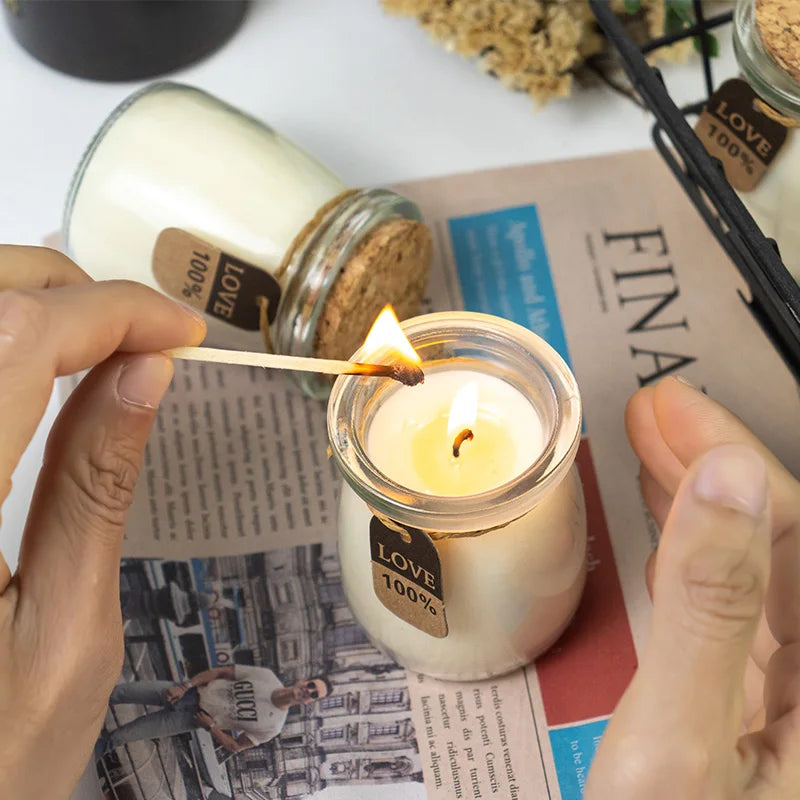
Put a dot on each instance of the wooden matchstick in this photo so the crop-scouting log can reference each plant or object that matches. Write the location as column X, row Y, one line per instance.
column 409, row 374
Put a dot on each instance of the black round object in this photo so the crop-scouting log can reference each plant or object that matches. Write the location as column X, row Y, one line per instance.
column 122, row 40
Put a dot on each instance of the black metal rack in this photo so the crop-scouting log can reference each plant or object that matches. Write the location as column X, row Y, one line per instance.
column 775, row 296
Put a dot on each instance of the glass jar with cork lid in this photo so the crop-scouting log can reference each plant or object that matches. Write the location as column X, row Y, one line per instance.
column 750, row 123
column 181, row 191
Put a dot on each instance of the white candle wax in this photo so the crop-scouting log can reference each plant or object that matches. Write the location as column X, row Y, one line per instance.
column 508, row 593
column 409, row 441
column 178, row 158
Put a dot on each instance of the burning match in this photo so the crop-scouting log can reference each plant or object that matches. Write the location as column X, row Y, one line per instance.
column 402, row 364
column 408, row 374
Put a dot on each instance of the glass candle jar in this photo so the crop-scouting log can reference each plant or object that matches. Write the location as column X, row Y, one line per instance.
column 462, row 567
column 774, row 203
column 182, row 192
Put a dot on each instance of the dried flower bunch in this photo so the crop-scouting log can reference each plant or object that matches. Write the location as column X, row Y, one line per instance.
column 532, row 46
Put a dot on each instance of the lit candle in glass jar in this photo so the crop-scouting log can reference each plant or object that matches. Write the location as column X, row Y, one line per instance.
column 462, row 566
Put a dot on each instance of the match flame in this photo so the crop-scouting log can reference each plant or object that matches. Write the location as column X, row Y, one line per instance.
column 387, row 340
column 463, row 410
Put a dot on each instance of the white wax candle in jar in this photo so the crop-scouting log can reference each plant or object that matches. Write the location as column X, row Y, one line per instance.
column 505, row 517
column 180, row 191
column 411, row 436
column 774, row 202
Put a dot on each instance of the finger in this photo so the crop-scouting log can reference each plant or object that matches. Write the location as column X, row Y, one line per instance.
column 753, row 695
column 765, row 644
column 687, row 423
column 672, row 424
column 650, row 572
column 783, row 598
column 5, row 574
column 648, row 442
column 37, row 268
column 675, row 728
column 758, row 721
column 64, row 330
column 777, row 745
column 656, row 498
column 69, row 557
column 710, row 581
column 782, row 686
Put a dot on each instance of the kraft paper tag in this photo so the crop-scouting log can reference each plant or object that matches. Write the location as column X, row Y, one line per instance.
column 203, row 276
column 744, row 139
column 407, row 576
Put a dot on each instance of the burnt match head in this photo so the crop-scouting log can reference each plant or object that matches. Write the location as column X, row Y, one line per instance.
column 408, row 374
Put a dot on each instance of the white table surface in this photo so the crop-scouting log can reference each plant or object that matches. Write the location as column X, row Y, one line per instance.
column 369, row 95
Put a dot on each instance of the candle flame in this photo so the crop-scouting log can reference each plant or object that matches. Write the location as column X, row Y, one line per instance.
column 463, row 410
column 387, row 342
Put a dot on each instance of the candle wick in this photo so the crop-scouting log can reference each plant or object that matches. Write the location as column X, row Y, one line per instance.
column 465, row 435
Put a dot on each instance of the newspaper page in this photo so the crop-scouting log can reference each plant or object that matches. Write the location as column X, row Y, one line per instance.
column 231, row 572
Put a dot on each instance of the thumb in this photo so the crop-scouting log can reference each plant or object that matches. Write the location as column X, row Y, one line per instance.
column 71, row 547
column 674, row 731
column 708, row 592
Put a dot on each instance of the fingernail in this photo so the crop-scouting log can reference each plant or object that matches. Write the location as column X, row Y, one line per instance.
column 194, row 314
column 144, row 379
column 197, row 318
column 735, row 477
column 685, row 381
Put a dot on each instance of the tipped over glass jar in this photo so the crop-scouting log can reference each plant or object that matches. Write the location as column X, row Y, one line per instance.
column 187, row 194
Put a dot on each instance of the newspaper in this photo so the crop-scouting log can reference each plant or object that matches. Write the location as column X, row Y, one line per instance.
column 230, row 554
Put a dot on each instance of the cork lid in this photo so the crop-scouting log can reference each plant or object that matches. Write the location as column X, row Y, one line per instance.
column 391, row 265
column 779, row 25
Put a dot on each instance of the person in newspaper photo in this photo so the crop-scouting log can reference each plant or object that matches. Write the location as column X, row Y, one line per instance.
column 248, row 700
column 712, row 712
